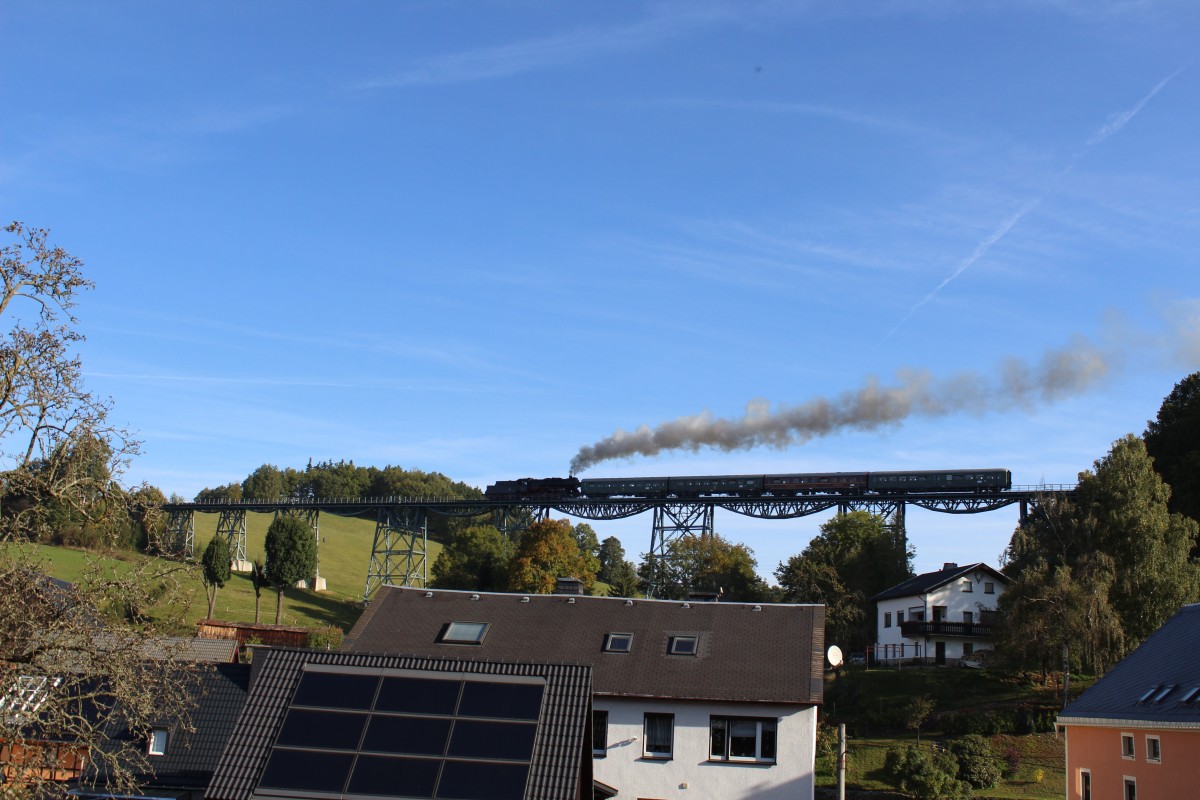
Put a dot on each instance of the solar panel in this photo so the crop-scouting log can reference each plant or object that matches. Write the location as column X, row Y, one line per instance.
column 420, row 736
column 417, row 695
column 323, row 729
column 474, row 780
column 306, row 770
column 377, row 732
column 335, row 690
column 507, row 740
column 403, row 777
column 501, row 700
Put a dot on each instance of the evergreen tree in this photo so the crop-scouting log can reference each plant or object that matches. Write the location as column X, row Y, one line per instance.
column 1173, row 441
column 214, row 565
column 291, row 555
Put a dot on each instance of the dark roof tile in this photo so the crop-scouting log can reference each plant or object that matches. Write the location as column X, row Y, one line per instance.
column 747, row 652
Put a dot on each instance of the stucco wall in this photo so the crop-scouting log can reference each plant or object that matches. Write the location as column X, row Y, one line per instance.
column 956, row 602
column 689, row 774
column 1098, row 750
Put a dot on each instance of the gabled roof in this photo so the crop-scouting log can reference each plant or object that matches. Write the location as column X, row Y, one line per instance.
column 928, row 581
column 746, row 652
column 192, row 648
column 1153, row 685
column 219, row 692
column 555, row 768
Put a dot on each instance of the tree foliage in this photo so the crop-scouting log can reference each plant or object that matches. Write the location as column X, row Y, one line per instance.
column 853, row 557
column 1173, row 441
column 1096, row 575
column 291, row 551
column 706, row 564
column 475, row 558
column 548, row 550
column 214, row 566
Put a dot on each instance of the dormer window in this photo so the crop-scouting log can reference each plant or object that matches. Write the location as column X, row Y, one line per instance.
column 158, row 742
column 683, row 645
column 463, row 633
column 618, row 642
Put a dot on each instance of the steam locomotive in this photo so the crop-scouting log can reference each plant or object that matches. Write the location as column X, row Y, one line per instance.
column 978, row 481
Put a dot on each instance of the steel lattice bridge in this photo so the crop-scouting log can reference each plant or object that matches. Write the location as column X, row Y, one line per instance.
column 401, row 523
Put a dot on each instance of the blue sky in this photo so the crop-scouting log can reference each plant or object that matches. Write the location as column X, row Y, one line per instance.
column 478, row 237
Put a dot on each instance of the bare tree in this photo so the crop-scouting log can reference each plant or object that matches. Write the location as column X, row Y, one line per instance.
column 58, row 449
column 74, row 658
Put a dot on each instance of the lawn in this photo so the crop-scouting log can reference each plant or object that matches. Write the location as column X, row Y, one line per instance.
column 872, row 703
column 344, row 556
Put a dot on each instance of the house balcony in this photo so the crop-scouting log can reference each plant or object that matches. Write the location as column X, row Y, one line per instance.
column 964, row 630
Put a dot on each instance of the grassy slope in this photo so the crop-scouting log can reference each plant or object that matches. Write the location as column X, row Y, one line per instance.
column 861, row 692
column 344, row 556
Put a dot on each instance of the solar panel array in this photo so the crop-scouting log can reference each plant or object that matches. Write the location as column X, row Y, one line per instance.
column 370, row 733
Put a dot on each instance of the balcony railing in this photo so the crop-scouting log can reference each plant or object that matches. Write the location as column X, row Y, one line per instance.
column 911, row 629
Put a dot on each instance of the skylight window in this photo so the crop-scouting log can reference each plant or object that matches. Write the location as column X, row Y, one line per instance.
column 683, row 645
column 1148, row 693
column 464, row 633
column 618, row 642
column 1166, row 690
column 1191, row 695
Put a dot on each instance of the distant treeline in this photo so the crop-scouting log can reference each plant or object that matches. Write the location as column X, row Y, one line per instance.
column 329, row 479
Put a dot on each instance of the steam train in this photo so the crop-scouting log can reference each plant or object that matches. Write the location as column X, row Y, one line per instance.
column 977, row 481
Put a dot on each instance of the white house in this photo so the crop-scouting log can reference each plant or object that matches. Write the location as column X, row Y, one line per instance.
column 690, row 699
column 938, row 617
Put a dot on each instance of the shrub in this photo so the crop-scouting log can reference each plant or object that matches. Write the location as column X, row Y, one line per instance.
column 976, row 762
column 925, row 774
column 327, row 638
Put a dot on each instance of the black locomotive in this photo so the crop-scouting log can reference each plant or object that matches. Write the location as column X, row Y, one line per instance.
column 813, row 483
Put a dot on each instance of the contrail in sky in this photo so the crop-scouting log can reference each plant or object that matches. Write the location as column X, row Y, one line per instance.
column 1114, row 125
column 1058, row 374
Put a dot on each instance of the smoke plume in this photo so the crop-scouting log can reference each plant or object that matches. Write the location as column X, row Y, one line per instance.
column 914, row 393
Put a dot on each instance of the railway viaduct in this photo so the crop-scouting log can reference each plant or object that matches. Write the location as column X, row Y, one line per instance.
column 401, row 523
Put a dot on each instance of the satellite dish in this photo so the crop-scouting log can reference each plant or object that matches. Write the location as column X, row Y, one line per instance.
column 834, row 654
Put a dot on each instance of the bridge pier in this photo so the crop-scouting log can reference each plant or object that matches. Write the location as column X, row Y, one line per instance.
column 180, row 539
column 231, row 523
column 672, row 521
column 398, row 552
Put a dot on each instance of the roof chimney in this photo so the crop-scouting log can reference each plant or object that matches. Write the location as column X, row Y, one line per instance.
column 949, row 565
column 572, row 586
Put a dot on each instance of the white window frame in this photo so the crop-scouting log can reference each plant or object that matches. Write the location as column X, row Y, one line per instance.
column 1128, row 748
column 660, row 754
column 726, row 723
column 1129, row 782
column 159, row 739
column 1085, row 774
column 1153, row 753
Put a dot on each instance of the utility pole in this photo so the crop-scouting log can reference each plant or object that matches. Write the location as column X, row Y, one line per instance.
column 841, row 762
